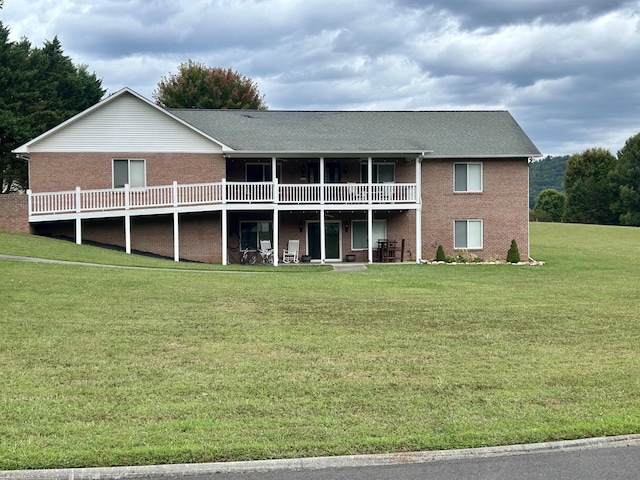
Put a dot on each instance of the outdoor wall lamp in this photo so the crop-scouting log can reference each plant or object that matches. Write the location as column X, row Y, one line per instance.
column 346, row 227
column 301, row 226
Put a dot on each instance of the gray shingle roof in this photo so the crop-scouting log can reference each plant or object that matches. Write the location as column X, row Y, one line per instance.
column 444, row 133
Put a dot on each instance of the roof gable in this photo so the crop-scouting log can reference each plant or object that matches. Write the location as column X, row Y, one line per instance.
column 123, row 122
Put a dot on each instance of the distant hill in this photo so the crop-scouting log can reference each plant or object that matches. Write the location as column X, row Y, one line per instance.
column 546, row 173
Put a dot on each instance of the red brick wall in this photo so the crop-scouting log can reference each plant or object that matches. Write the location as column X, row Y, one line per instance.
column 200, row 234
column 14, row 214
column 51, row 172
column 502, row 206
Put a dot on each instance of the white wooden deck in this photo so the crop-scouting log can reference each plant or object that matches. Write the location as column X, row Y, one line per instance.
column 49, row 206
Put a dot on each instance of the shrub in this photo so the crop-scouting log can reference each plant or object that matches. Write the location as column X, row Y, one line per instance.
column 513, row 255
column 440, row 256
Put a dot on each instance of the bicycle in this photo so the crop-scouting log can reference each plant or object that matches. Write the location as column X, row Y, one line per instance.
column 248, row 257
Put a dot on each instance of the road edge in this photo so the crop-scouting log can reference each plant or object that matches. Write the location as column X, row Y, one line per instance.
column 316, row 463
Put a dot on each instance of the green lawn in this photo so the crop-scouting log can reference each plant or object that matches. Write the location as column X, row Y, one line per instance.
column 103, row 366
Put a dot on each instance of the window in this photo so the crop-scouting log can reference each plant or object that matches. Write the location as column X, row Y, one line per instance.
column 127, row 171
column 468, row 234
column 252, row 232
column 359, row 233
column 381, row 172
column 261, row 172
column 331, row 172
column 467, row 177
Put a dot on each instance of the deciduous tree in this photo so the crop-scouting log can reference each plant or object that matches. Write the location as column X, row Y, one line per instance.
column 551, row 202
column 198, row 86
column 588, row 191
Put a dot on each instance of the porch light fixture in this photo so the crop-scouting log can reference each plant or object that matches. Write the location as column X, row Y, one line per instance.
column 301, row 227
column 346, row 227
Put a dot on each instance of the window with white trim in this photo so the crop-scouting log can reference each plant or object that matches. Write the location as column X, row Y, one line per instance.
column 129, row 171
column 468, row 234
column 359, row 239
column 467, row 177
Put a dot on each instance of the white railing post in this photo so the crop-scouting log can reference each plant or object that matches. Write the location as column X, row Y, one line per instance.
column 175, row 193
column 78, row 200
column 30, row 201
column 276, row 196
column 127, row 200
column 224, row 190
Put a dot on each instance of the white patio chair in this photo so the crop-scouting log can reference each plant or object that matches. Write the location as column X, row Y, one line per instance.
column 265, row 251
column 355, row 193
column 290, row 254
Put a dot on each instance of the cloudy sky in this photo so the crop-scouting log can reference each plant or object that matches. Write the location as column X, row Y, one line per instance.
column 568, row 70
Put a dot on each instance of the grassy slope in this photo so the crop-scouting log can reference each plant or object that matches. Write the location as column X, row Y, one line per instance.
column 116, row 366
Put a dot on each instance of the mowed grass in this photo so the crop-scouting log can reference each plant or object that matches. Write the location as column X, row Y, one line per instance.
column 109, row 366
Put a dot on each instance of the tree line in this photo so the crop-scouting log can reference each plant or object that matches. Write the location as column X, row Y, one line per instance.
column 41, row 88
column 599, row 188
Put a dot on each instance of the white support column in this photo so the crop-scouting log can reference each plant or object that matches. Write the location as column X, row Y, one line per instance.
column 370, row 234
column 274, row 179
column 225, row 233
column 323, row 246
column 127, row 219
column 419, row 234
column 369, row 178
column 176, row 237
column 78, row 221
column 127, row 232
column 370, row 210
column 321, row 174
column 78, row 231
column 276, row 234
column 419, row 209
column 176, row 226
column 276, row 216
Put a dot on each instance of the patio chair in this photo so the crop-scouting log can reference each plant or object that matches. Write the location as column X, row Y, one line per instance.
column 290, row 254
column 265, row 251
column 355, row 192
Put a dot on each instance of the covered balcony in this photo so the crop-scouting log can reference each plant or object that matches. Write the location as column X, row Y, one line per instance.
column 47, row 206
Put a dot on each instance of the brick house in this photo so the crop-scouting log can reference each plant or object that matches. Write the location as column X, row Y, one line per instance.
column 202, row 184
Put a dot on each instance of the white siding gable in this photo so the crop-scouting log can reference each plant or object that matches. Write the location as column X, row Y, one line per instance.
column 126, row 124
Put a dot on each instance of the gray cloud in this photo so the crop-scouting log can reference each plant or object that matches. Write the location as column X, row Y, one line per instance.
column 566, row 69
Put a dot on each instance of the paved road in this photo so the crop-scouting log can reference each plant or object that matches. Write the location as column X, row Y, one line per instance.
column 611, row 458
column 612, row 463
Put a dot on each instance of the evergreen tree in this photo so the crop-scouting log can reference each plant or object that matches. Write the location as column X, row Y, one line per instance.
column 39, row 88
column 513, row 255
column 626, row 180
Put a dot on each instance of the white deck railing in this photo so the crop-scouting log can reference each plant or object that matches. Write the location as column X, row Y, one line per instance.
column 176, row 195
